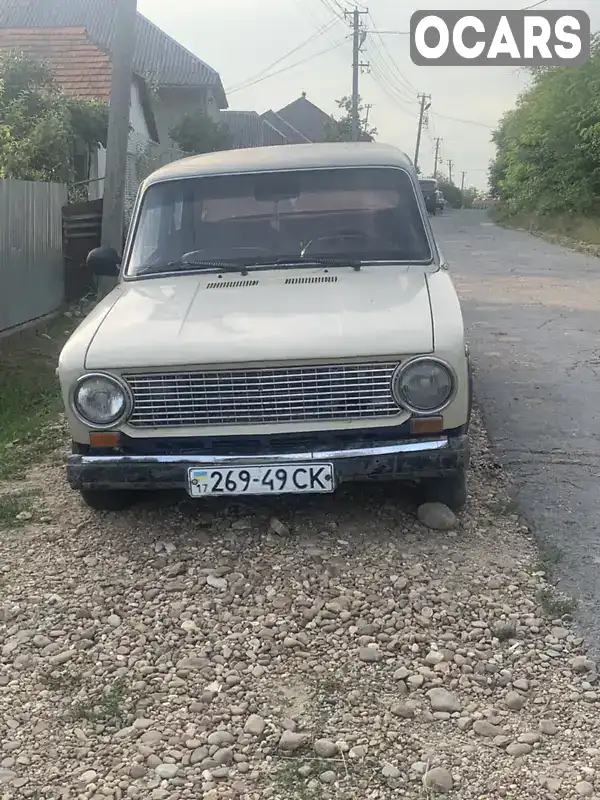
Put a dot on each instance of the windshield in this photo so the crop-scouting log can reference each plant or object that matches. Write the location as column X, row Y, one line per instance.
column 428, row 186
column 258, row 218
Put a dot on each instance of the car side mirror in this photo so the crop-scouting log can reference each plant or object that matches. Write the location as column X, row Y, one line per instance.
column 104, row 262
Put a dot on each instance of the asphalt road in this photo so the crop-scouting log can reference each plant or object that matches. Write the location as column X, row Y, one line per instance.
column 532, row 313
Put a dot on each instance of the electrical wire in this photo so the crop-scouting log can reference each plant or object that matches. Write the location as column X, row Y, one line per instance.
column 465, row 121
column 534, row 5
column 285, row 69
column 391, row 90
column 331, row 6
column 402, row 105
column 395, row 68
column 338, row 4
column 308, row 41
column 399, row 90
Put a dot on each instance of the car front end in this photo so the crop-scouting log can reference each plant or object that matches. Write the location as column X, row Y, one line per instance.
column 291, row 378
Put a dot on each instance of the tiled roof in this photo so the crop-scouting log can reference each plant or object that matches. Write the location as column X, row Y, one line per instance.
column 307, row 118
column 248, row 129
column 291, row 134
column 156, row 53
column 80, row 68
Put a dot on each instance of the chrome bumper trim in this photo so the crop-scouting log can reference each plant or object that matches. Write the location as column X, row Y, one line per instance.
column 275, row 458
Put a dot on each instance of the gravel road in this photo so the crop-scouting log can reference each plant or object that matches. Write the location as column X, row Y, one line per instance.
column 531, row 310
column 184, row 651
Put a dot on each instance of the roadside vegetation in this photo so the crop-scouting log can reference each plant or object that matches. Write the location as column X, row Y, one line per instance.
column 45, row 135
column 30, row 404
column 546, row 173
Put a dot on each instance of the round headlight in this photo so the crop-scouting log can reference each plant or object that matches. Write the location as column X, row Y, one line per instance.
column 423, row 385
column 100, row 400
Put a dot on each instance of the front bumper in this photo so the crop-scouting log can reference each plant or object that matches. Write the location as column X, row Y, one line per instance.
column 410, row 459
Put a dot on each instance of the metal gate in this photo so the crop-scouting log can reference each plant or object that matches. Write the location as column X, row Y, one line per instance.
column 82, row 231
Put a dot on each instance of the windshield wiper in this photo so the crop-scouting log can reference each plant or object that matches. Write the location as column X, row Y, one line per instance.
column 320, row 262
column 255, row 264
column 223, row 266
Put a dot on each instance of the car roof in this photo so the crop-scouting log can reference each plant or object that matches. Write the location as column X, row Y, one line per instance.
column 281, row 157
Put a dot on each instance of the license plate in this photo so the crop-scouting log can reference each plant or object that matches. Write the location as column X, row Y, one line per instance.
column 280, row 479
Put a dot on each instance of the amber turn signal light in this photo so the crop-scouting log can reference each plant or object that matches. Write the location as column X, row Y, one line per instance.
column 420, row 425
column 107, row 439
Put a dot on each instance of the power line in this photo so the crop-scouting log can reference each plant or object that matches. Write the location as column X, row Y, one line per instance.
column 380, row 77
column 331, row 6
column 395, row 67
column 534, row 5
column 401, row 93
column 400, row 103
column 310, row 39
column 337, row 4
column 464, row 121
column 316, row 15
column 285, row 69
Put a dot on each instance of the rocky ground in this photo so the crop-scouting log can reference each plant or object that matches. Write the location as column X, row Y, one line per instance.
column 323, row 648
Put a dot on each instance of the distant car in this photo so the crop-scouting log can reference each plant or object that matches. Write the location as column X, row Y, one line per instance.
column 283, row 322
column 440, row 202
column 429, row 190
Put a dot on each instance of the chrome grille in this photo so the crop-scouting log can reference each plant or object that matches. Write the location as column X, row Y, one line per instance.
column 247, row 397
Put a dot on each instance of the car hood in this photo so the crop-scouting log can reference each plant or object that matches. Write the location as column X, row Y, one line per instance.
column 297, row 315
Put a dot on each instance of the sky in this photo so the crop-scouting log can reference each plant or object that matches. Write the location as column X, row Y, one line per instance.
column 242, row 40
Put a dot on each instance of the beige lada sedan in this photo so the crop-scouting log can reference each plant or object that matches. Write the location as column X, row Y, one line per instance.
column 283, row 322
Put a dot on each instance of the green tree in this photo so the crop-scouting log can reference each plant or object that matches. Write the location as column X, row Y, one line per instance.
column 45, row 135
column 340, row 130
column 451, row 192
column 548, row 146
column 469, row 196
column 197, row 133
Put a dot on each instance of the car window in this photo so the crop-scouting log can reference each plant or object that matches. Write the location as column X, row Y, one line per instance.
column 367, row 213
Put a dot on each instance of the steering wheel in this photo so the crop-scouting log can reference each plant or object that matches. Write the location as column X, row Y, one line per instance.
column 340, row 236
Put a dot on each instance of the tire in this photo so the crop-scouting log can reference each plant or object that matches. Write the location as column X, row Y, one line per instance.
column 451, row 490
column 107, row 500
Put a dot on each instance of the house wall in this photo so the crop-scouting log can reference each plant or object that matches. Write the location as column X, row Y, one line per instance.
column 212, row 107
column 139, row 136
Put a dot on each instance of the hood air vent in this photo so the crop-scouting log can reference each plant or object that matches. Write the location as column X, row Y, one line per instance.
column 230, row 284
column 313, row 279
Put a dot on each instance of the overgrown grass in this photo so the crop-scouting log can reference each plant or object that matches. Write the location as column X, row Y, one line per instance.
column 103, row 706
column 30, row 403
column 576, row 230
column 555, row 605
column 550, row 557
column 11, row 505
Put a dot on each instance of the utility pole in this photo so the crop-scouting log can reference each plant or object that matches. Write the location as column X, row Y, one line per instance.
column 423, row 98
column 450, row 165
column 358, row 39
column 124, row 26
column 368, row 108
column 437, row 156
column 462, row 181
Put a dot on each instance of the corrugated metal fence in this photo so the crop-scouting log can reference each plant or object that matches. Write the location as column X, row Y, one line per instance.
column 31, row 258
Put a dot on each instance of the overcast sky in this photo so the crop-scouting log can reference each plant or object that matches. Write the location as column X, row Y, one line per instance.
column 242, row 38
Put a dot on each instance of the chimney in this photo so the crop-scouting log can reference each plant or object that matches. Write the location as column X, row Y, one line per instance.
column 304, row 95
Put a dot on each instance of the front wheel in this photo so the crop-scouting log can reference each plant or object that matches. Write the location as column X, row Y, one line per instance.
column 107, row 500
column 451, row 490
